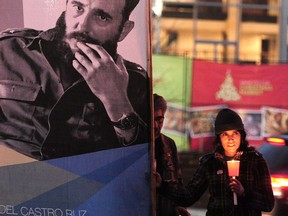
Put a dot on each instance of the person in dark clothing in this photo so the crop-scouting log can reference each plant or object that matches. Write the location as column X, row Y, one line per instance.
column 167, row 162
column 252, row 186
column 67, row 91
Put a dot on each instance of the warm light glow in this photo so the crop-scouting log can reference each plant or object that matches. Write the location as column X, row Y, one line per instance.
column 233, row 167
column 158, row 7
column 276, row 141
column 278, row 183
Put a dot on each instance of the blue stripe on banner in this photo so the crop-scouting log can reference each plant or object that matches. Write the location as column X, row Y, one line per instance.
column 88, row 184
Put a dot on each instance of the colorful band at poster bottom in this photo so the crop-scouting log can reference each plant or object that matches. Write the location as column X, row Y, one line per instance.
column 112, row 182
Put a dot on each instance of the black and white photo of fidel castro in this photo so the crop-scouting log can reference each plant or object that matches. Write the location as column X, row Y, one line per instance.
column 66, row 91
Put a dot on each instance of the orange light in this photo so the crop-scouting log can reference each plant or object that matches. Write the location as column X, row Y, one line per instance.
column 276, row 141
column 279, row 181
column 278, row 184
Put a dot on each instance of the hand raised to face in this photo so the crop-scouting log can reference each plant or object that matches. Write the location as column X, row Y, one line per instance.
column 107, row 79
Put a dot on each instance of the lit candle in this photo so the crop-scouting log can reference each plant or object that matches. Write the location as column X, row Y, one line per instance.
column 233, row 167
column 233, row 171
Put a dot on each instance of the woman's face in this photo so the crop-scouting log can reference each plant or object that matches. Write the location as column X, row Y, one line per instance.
column 230, row 141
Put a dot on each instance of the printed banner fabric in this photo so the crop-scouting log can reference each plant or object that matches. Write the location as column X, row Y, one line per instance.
column 241, row 86
column 75, row 108
column 256, row 92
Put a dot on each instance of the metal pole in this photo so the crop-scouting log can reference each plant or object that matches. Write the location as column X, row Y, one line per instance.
column 239, row 20
column 158, row 45
column 283, row 31
column 195, row 19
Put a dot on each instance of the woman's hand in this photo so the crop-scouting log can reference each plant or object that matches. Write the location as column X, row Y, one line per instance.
column 158, row 179
column 237, row 187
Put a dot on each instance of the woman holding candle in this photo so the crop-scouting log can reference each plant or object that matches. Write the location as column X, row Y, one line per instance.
column 252, row 187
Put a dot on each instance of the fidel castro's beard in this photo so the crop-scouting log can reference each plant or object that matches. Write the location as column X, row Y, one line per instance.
column 64, row 50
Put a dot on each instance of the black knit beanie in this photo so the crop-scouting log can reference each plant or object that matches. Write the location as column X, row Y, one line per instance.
column 228, row 120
